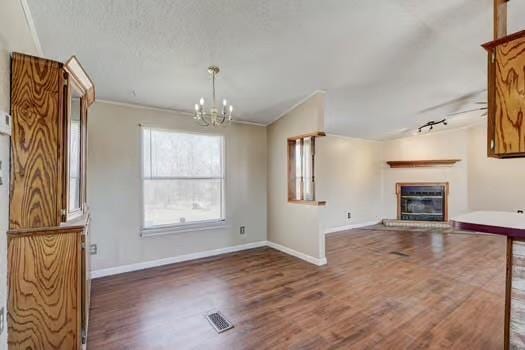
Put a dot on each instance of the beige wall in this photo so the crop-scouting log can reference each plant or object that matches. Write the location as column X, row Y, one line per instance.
column 442, row 145
column 14, row 36
column 494, row 184
column 294, row 226
column 476, row 183
column 348, row 173
column 114, row 187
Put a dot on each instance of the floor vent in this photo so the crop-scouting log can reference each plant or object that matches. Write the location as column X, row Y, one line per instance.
column 218, row 322
column 400, row 254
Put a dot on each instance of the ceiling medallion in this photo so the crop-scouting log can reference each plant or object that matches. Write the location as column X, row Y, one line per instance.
column 212, row 116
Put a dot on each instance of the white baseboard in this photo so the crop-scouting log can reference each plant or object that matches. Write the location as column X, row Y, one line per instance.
column 289, row 251
column 171, row 260
column 208, row 253
column 352, row 226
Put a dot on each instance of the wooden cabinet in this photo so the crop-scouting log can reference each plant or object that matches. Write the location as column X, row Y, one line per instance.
column 48, row 265
column 506, row 93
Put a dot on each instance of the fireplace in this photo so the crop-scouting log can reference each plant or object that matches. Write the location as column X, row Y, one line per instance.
column 422, row 201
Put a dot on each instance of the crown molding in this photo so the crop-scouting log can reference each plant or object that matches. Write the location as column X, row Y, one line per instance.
column 179, row 112
column 351, row 138
column 31, row 25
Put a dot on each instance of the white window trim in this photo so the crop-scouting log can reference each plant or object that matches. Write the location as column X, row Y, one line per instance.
column 192, row 226
column 161, row 230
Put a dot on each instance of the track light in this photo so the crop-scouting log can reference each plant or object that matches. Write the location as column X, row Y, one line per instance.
column 430, row 125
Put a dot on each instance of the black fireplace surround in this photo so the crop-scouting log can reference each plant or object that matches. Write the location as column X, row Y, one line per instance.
column 422, row 202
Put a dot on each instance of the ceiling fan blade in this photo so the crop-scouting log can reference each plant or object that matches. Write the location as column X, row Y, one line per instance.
column 470, row 110
column 458, row 102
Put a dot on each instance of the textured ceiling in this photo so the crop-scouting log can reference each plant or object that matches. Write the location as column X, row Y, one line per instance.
column 384, row 63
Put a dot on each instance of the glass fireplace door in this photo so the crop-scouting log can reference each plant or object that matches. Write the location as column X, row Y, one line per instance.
column 422, row 202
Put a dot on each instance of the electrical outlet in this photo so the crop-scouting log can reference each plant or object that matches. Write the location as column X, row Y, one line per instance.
column 243, row 230
column 2, row 320
column 348, row 215
column 5, row 123
column 92, row 249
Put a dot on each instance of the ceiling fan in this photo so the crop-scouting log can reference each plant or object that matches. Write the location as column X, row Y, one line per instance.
column 430, row 125
column 483, row 108
column 455, row 103
column 460, row 102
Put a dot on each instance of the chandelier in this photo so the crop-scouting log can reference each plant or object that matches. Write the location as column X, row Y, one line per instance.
column 213, row 116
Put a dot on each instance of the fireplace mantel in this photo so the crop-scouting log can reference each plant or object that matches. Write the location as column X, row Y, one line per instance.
column 422, row 163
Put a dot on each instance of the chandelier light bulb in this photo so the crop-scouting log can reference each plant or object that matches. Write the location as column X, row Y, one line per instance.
column 202, row 101
column 196, row 107
column 231, row 109
column 224, row 102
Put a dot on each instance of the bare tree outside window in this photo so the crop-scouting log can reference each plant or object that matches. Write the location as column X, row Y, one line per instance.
column 183, row 178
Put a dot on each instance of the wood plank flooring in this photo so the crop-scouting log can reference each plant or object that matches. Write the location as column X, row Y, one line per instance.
column 446, row 293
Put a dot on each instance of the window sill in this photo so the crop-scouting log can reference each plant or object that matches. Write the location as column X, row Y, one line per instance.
column 176, row 229
column 314, row 203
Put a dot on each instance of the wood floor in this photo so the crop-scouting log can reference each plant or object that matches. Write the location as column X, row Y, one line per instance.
column 381, row 289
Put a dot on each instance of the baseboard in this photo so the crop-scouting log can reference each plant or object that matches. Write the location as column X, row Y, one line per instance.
column 187, row 257
column 350, row 227
column 171, row 260
column 289, row 251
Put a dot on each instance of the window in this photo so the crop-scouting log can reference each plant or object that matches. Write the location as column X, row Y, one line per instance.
column 301, row 177
column 74, row 157
column 183, row 178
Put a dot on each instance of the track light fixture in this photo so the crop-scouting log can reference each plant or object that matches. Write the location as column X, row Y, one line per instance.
column 430, row 124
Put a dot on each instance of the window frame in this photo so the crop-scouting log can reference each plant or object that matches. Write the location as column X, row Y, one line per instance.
column 186, row 226
column 74, row 213
column 292, row 143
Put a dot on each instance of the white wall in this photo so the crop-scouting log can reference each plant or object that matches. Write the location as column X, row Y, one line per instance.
column 14, row 36
column 114, row 187
column 441, row 145
column 295, row 226
column 494, row 184
column 349, row 178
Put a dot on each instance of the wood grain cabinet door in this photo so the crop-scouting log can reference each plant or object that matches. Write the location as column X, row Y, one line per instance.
column 37, row 109
column 44, row 291
column 509, row 127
